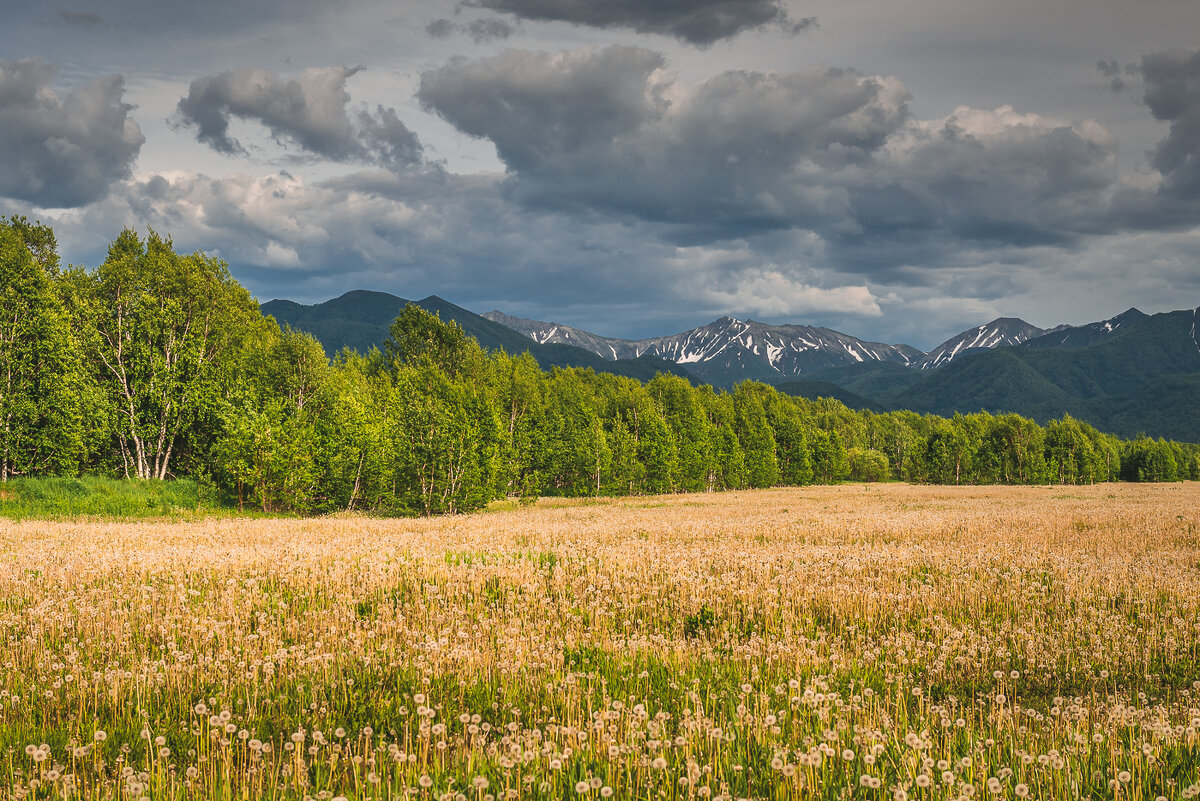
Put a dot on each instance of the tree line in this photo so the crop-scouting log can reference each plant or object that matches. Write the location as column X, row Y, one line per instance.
column 159, row 364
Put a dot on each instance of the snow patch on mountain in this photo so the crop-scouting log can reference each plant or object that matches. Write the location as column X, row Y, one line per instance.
column 999, row 332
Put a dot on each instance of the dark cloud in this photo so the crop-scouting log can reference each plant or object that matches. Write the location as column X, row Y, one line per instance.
column 998, row 175
column 481, row 31
column 540, row 108
column 825, row 150
column 489, row 29
column 64, row 152
column 441, row 28
column 1172, row 93
column 82, row 19
column 698, row 22
column 1111, row 70
column 309, row 110
column 388, row 141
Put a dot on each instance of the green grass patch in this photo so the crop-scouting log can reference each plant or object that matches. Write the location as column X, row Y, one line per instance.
column 98, row 496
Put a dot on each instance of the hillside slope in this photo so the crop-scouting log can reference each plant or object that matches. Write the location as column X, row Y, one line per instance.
column 359, row 320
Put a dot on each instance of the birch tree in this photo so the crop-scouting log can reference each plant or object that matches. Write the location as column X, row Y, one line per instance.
column 165, row 324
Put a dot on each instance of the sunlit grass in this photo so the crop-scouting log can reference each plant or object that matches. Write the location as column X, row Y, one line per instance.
column 890, row 642
column 97, row 496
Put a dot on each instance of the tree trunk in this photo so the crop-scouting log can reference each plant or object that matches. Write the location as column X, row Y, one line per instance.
column 357, row 481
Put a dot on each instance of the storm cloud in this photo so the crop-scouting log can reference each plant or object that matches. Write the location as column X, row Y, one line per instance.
column 310, row 111
column 824, row 149
column 481, row 31
column 693, row 161
column 697, row 22
column 1172, row 93
column 62, row 152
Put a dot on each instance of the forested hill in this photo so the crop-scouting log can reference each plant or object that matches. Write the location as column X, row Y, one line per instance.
column 359, row 320
column 1133, row 374
column 157, row 364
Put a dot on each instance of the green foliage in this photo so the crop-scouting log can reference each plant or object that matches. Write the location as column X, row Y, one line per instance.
column 51, row 497
column 158, row 364
column 865, row 464
column 167, row 326
column 418, row 336
column 1143, row 378
column 700, row 623
column 41, row 375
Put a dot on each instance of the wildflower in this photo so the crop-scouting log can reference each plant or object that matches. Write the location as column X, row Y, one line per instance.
column 848, row 755
column 581, row 787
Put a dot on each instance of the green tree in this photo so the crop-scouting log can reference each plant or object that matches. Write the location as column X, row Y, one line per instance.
column 865, row 464
column 828, row 456
column 755, row 434
column 791, row 445
column 948, row 451
column 1015, row 446
column 168, row 326
column 444, row 437
column 575, row 455
column 275, row 422
column 516, row 386
column 40, row 370
column 690, row 428
column 1069, row 453
column 416, row 335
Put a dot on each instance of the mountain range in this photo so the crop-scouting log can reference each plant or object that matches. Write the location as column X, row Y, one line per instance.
column 359, row 320
column 1134, row 373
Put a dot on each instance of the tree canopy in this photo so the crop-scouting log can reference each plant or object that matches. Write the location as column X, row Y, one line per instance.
column 158, row 364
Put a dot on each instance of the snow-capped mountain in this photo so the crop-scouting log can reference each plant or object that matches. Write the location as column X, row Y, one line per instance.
column 1001, row 331
column 729, row 349
column 557, row 333
column 1080, row 336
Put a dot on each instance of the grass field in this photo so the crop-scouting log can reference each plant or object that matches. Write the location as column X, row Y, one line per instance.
column 882, row 642
column 58, row 498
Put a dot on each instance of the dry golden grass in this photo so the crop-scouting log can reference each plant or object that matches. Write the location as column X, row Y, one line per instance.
column 830, row 642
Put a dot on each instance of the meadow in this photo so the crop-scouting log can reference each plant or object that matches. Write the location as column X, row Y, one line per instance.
column 876, row 642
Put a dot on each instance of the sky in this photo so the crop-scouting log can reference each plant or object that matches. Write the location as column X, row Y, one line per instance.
column 899, row 170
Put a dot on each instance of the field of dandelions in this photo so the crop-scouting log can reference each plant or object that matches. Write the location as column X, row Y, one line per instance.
column 883, row 642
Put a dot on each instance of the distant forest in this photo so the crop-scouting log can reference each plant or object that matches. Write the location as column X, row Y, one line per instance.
column 158, row 364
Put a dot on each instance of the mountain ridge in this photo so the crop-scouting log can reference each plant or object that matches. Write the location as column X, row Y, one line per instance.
column 360, row 319
column 728, row 349
column 1130, row 374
